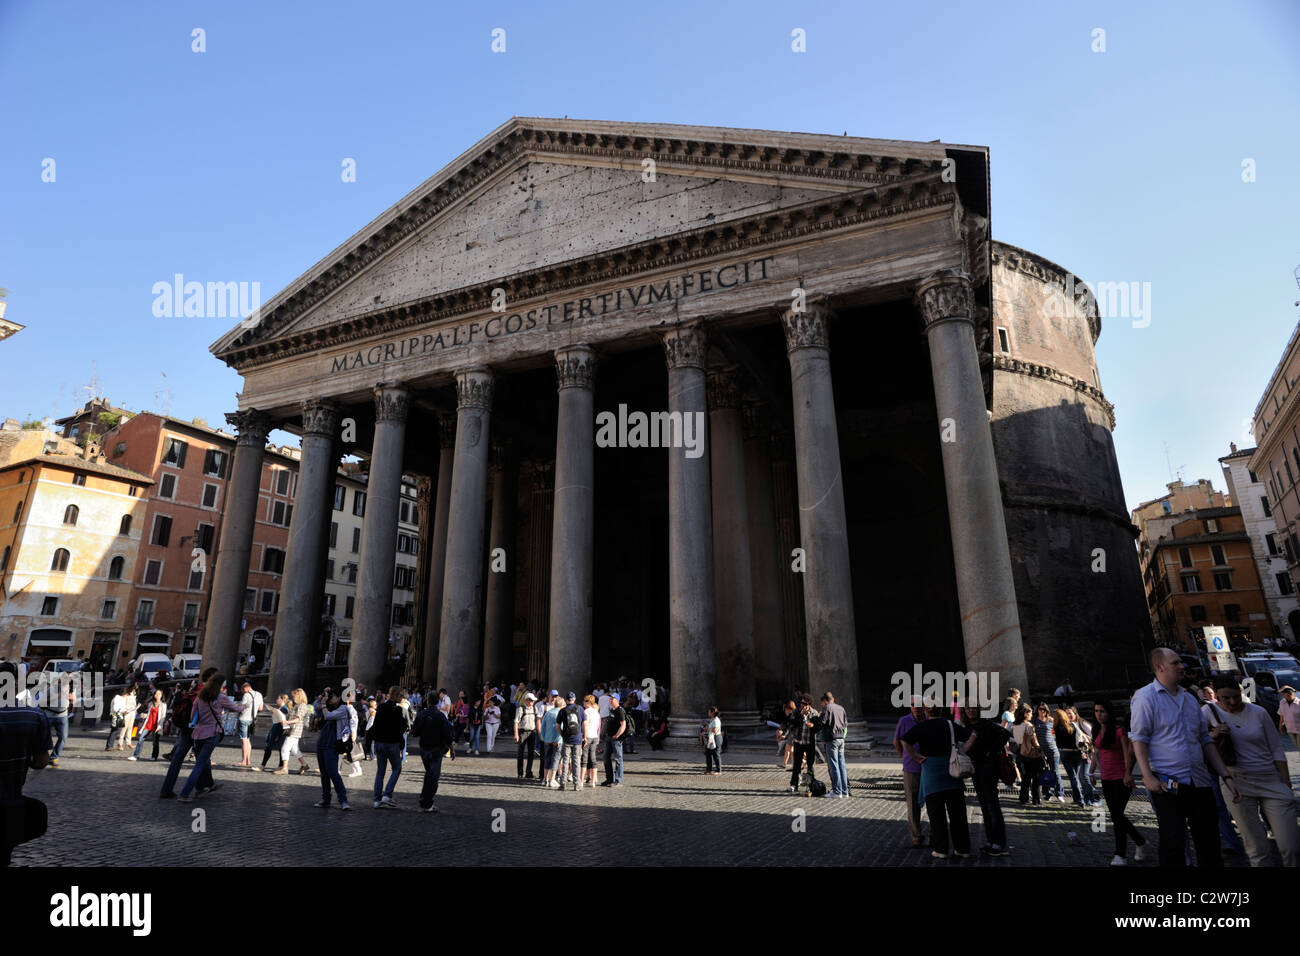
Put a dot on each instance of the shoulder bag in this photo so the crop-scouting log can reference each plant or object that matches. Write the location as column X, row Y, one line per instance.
column 959, row 764
column 1227, row 749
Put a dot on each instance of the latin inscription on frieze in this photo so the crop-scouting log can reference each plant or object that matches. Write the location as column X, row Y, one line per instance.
column 594, row 307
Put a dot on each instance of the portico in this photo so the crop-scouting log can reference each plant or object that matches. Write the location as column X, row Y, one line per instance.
column 540, row 281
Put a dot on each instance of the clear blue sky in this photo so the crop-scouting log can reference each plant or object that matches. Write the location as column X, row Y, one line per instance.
column 1121, row 166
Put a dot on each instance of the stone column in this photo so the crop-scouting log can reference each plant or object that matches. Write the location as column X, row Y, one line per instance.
column 462, row 583
column 438, row 547
column 986, row 593
column 230, row 563
column 541, row 516
column 765, row 558
column 827, row 588
column 499, row 623
column 297, row 625
column 379, row 538
column 732, row 582
column 573, row 521
column 785, row 499
column 692, row 667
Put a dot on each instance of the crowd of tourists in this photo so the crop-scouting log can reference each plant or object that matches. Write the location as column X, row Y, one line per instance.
column 1211, row 764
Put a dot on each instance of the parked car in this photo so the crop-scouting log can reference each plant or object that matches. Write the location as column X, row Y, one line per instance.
column 63, row 665
column 1270, row 671
column 187, row 665
column 151, row 667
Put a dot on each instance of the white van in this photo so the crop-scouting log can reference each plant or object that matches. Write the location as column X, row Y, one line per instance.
column 187, row 665
column 151, row 665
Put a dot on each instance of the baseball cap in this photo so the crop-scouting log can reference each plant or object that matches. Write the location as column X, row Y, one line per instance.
column 1287, row 687
column 572, row 696
column 555, row 693
column 614, row 697
column 530, row 696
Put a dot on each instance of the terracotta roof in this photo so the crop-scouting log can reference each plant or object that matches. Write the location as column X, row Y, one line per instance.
column 77, row 463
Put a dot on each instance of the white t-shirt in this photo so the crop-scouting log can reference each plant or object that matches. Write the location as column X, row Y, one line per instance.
column 444, row 704
column 591, row 723
column 251, row 703
column 492, row 714
column 603, row 704
column 644, row 703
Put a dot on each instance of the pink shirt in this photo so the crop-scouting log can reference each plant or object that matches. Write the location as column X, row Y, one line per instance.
column 1112, row 758
column 1290, row 714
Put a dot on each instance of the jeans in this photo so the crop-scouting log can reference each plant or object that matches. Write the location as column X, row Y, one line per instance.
column 987, row 779
column 1080, row 788
column 526, row 738
column 474, row 731
column 183, row 744
column 1265, row 791
column 272, row 741
column 1053, row 761
column 327, row 755
column 836, row 768
column 390, row 754
column 570, row 762
column 139, row 742
column 432, row 770
column 613, row 761
column 947, row 808
column 1193, row 806
column 712, row 760
column 802, row 752
column 1117, row 795
column 202, row 764
column 1031, row 768
column 60, row 727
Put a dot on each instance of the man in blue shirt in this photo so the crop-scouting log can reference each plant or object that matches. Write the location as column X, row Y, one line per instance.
column 1173, row 746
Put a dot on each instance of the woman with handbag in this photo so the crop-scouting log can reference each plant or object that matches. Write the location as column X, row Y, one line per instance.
column 987, row 747
column 932, row 744
column 121, row 705
column 1064, row 731
column 1115, row 759
column 1029, row 756
column 711, row 738
column 205, row 721
column 1045, row 731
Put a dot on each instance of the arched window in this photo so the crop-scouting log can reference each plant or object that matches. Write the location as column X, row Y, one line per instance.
column 60, row 562
column 116, row 567
column 70, row 515
column 126, row 525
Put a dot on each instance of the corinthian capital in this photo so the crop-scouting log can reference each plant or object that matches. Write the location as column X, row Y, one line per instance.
column 320, row 417
column 944, row 296
column 474, row 387
column 723, row 387
column 685, row 345
column 252, row 426
column 575, row 366
column 807, row 328
column 392, row 402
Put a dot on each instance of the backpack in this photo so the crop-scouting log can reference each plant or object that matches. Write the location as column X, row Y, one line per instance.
column 572, row 725
column 180, row 714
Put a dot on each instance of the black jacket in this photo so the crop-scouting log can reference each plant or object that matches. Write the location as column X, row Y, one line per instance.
column 389, row 725
column 432, row 728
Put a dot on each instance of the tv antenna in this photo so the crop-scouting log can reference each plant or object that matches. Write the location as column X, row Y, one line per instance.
column 162, row 396
column 94, row 388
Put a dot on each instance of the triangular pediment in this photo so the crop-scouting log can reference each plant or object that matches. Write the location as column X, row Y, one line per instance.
column 538, row 193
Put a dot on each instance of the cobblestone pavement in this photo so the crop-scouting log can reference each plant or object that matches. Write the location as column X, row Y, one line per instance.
column 104, row 810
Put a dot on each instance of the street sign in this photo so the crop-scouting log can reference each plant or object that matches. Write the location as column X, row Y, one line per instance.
column 1222, row 659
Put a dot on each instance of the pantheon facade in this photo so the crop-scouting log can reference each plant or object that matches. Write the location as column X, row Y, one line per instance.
column 903, row 452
